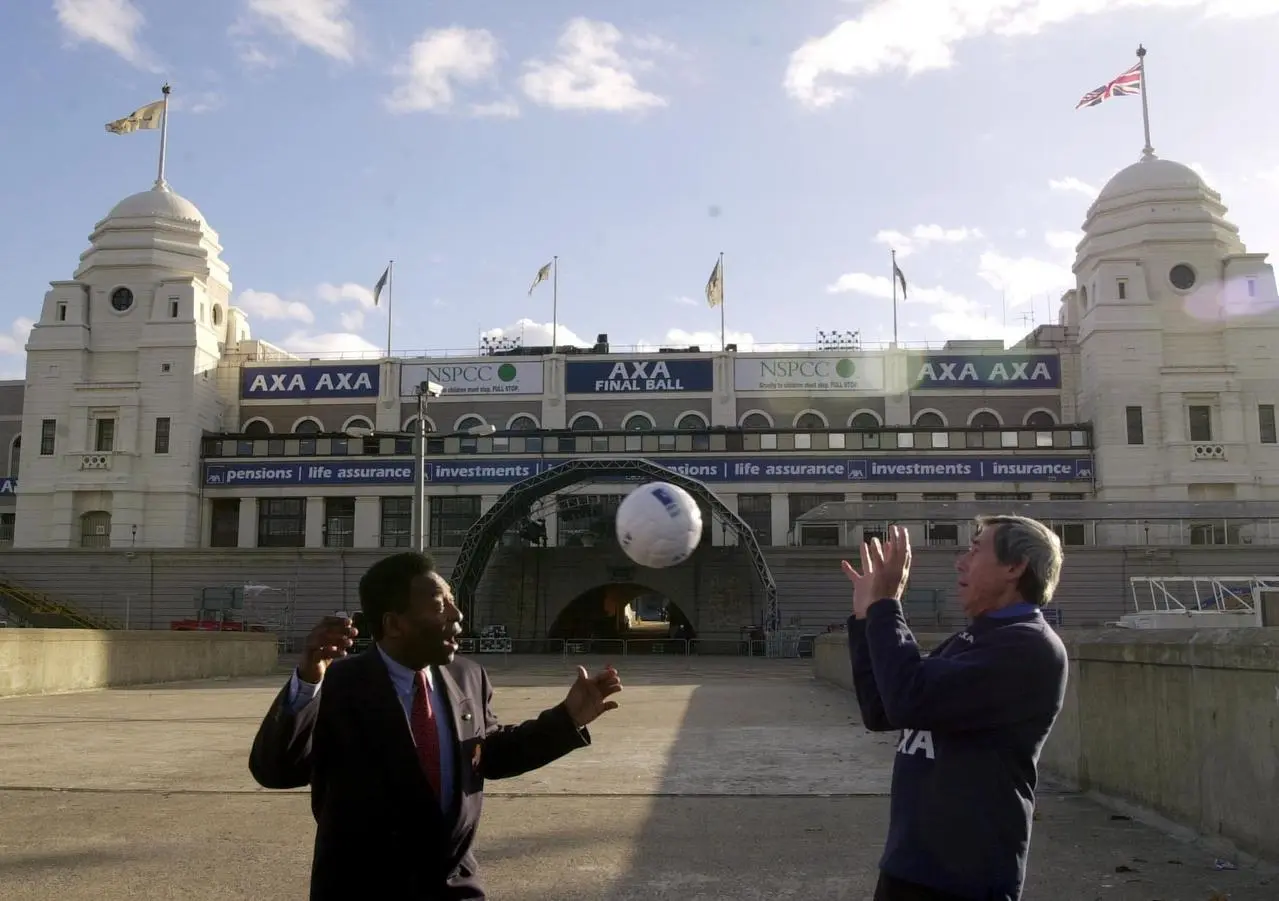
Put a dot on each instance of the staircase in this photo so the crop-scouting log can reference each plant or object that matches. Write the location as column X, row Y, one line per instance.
column 40, row 611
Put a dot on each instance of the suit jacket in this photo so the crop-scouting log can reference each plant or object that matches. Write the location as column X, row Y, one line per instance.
column 380, row 830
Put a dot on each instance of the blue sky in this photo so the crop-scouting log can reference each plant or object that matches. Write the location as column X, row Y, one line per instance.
column 471, row 142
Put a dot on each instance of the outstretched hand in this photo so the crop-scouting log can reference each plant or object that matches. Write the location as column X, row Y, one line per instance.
column 884, row 573
column 588, row 699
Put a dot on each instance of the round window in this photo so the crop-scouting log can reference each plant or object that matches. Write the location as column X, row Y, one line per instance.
column 121, row 300
column 1182, row 277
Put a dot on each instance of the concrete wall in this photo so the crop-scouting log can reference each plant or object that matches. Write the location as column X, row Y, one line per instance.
column 719, row 590
column 1182, row 723
column 47, row 661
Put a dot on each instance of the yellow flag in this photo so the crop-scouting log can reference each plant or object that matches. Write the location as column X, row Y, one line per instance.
column 147, row 117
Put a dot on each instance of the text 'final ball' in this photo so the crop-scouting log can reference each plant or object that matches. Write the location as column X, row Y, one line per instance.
column 659, row 525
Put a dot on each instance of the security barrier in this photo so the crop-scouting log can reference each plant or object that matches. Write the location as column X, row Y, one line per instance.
column 637, row 647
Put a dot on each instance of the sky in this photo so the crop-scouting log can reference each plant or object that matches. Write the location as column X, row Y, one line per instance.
column 471, row 143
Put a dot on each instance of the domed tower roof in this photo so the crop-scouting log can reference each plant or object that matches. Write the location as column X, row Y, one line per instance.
column 1156, row 200
column 159, row 227
column 158, row 203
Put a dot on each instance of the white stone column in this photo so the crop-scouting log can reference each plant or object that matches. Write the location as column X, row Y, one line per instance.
column 368, row 522
column 781, row 518
column 248, row 530
column 314, row 522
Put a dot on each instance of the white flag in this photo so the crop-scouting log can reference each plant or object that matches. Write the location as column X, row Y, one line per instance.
column 542, row 275
column 147, row 117
column 715, row 285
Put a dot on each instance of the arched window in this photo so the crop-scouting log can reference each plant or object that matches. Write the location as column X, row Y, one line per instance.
column 864, row 420
column 15, row 455
column 468, row 422
column 930, row 420
column 810, row 420
column 1041, row 419
column 307, row 426
column 756, row 421
column 411, row 426
column 257, row 428
column 357, row 422
column 522, row 423
column 691, row 421
column 638, row 422
column 95, row 529
column 984, row 419
column 585, row 422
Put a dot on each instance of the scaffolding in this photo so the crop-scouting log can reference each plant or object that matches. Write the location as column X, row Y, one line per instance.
column 1197, row 601
column 244, row 608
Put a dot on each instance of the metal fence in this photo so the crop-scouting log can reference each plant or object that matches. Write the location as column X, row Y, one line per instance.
column 801, row 646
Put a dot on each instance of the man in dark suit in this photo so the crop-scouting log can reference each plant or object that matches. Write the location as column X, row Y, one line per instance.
column 397, row 750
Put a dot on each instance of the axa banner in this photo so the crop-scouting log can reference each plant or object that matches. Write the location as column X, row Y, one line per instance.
column 638, row 376
column 809, row 373
column 306, row 382
column 983, row 371
column 356, row 472
column 474, row 377
column 715, row 470
column 8, row 486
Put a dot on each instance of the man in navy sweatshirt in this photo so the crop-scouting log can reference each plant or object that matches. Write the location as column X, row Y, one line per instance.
column 973, row 714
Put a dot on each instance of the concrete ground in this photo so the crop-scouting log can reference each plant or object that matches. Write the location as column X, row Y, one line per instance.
column 730, row 779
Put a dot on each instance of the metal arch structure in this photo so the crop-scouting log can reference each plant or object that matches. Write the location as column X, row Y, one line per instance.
column 482, row 537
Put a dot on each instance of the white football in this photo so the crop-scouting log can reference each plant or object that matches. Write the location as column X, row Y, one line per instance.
column 659, row 525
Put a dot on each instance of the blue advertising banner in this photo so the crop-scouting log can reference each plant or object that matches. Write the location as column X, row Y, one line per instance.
column 983, row 371
column 233, row 475
column 638, row 376
column 307, row 382
column 8, row 486
column 714, row 470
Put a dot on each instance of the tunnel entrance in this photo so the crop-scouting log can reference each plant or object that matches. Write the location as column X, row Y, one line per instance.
column 622, row 611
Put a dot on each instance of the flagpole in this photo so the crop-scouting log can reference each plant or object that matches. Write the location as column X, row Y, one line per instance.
column 723, row 346
column 555, row 302
column 1148, row 151
column 164, row 138
column 390, row 297
column 893, row 278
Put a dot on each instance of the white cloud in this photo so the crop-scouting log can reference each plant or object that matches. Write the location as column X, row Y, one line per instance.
column 914, row 36
column 710, row 340
column 686, row 301
column 352, row 320
column 13, row 349
column 331, row 344
column 537, row 334
column 1063, row 240
column 1070, row 183
column 321, row 25
column 347, row 292
column 112, row 23
column 437, row 62
column 589, row 72
column 923, row 235
column 500, row 109
column 1024, row 280
column 266, row 305
column 951, row 314
column 196, row 102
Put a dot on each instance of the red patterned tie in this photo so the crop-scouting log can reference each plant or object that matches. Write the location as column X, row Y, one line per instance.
column 425, row 734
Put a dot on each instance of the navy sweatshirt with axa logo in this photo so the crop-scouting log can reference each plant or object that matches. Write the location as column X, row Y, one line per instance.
column 973, row 716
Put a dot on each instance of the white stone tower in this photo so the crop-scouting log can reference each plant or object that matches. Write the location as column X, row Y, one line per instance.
column 121, row 382
column 1178, row 331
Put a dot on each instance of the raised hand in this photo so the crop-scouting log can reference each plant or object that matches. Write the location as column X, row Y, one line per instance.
column 588, row 699
column 884, row 573
column 327, row 642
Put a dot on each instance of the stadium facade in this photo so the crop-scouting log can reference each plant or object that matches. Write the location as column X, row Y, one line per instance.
column 151, row 421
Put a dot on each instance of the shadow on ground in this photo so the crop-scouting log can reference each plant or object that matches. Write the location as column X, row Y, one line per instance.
column 718, row 780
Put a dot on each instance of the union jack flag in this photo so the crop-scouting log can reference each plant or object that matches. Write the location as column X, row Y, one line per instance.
column 1124, row 85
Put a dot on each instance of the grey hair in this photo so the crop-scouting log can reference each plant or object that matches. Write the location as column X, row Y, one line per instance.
column 1020, row 539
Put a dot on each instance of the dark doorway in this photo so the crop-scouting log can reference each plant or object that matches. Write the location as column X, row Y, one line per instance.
column 621, row 610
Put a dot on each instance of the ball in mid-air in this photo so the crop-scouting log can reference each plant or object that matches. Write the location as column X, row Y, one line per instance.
column 659, row 525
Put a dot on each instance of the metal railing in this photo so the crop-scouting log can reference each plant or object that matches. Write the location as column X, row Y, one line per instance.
column 777, row 647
